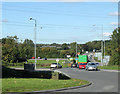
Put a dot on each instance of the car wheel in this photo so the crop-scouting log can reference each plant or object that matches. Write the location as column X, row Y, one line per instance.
column 51, row 68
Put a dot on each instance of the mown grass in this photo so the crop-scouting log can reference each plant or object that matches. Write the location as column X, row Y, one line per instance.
column 113, row 67
column 23, row 85
column 42, row 64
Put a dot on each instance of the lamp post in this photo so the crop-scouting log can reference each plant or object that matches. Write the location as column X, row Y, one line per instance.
column 35, row 28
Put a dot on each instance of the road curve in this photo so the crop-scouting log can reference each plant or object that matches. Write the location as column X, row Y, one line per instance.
column 102, row 81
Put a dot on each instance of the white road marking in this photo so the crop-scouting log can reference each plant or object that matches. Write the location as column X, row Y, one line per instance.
column 108, row 87
column 83, row 70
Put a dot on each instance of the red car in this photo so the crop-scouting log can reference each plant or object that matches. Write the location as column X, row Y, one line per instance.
column 82, row 65
column 33, row 57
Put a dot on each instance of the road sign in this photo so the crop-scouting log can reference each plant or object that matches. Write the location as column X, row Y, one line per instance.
column 76, row 58
column 71, row 59
column 57, row 60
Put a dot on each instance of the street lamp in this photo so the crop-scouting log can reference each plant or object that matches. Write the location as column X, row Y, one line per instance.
column 35, row 28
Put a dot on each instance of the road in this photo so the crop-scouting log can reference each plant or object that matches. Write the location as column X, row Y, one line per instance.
column 102, row 81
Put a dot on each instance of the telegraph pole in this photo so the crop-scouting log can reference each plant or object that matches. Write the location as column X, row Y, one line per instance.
column 76, row 52
column 102, row 47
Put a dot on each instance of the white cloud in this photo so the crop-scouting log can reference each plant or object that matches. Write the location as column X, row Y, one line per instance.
column 114, row 14
column 115, row 23
column 107, row 34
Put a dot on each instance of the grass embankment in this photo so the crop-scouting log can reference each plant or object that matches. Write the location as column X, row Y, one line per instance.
column 110, row 67
column 96, row 59
column 41, row 64
column 23, row 85
column 114, row 67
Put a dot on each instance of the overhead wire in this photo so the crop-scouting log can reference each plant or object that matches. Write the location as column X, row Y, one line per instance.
column 52, row 13
column 47, row 8
column 53, row 27
column 50, row 25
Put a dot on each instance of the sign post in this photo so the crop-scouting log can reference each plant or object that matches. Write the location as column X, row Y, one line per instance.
column 68, row 56
column 57, row 60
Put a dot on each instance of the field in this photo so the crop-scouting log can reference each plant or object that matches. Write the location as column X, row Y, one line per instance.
column 21, row 85
column 41, row 64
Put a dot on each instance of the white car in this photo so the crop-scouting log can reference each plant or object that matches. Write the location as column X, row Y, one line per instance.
column 55, row 65
column 91, row 66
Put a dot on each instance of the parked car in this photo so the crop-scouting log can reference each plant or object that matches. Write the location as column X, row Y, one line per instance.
column 73, row 65
column 82, row 65
column 55, row 65
column 97, row 64
column 45, row 58
column 39, row 58
column 33, row 57
column 91, row 66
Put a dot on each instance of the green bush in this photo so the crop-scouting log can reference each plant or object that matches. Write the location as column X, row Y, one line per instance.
column 12, row 73
column 4, row 63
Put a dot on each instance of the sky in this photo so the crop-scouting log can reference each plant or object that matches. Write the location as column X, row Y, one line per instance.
column 59, row 22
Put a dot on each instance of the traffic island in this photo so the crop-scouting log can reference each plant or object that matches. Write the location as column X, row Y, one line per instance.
column 32, row 81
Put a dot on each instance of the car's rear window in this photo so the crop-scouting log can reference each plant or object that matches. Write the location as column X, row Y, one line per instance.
column 82, row 63
column 92, row 64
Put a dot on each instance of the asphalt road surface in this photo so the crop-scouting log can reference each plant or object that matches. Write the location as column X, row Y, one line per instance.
column 102, row 81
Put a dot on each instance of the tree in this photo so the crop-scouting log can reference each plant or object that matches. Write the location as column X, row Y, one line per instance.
column 9, row 49
column 28, row 46
column 64, row 46
column 115, row 48
column 73, row 46
column 16, row 52
column 64, row 53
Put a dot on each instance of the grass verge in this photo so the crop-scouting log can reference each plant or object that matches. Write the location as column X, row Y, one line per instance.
column 24, row 85
column 114, row 67
column 42, row 64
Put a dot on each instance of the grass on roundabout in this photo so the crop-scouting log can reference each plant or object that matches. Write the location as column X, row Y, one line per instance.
column 35, row 84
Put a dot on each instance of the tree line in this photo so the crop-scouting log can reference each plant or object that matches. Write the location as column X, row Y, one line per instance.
column 15, row 51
